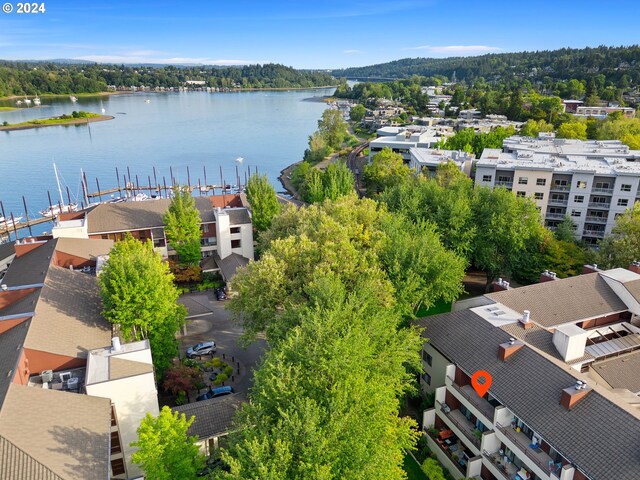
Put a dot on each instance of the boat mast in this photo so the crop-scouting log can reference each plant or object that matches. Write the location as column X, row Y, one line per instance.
column 58, row 182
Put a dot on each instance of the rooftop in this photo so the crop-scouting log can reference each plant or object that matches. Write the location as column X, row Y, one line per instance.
column 129, row 360
column 530, row 385
column 621, row 372
column 213, row 417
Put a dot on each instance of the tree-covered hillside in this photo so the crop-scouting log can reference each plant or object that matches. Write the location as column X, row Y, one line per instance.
column 617, row 64
column 31, row 78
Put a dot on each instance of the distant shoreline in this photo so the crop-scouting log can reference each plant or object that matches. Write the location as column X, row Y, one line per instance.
column 78, row 121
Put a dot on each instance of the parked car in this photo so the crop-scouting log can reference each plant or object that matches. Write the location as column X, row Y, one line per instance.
column 220, row 295
column 215, row 392
column 204, row 348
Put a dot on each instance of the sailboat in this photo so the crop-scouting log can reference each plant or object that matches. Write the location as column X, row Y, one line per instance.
column 54, row 210
column 8, row 222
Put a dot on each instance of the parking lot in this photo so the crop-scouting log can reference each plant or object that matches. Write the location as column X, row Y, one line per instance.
column 217, row 326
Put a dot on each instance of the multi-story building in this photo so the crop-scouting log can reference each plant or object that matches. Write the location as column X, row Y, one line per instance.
column 562, row 356
column 428, row 159
column 602, row 112
column 69, row 406
column 591, row 181
column 226, row 229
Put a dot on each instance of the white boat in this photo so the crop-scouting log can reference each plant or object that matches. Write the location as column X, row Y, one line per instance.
column 147, row 101
column 54, row 210
column 73, row 99
column 205, row 188
column 138, row 197
column 8, row 223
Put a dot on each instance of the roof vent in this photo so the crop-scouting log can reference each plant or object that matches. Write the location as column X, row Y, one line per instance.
column 525, row 321
column 4, row 287
column 115, row 344
column 505, row 350
column 572, row 395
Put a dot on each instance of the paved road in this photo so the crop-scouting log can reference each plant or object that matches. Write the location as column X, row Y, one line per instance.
column 218, row 327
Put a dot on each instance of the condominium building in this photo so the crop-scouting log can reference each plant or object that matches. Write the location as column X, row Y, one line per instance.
column 402, row 139
column 562, row 400
column 428, row 159
column 591, row 181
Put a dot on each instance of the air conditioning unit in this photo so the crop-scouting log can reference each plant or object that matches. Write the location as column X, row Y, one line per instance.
column 46, row 376
column 72, row 383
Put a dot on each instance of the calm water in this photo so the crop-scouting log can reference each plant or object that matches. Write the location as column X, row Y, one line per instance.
column 268, row 129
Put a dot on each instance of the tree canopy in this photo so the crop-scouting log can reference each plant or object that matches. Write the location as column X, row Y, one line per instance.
column 182, row 226
column 138, row 294
column 165, row 451
column 622, row 246
column 263, row 200
column 386, row 169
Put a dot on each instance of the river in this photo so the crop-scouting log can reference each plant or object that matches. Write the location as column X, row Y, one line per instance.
column 268, row 129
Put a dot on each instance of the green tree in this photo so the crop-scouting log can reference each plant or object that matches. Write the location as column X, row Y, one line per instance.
column 357, row 113
column 332, row 128
column 432, row 469
column 337, row 181
column 566, row 231
column 511, row 231
column 386, row 169
column 182, row 226
column 318, row 148
column 622, row 246
column 263, row 200
column 325, row 399
column 165, row 451
column 573, row 130
column 138, row 294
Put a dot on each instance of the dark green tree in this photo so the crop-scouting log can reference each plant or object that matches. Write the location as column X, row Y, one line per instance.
column 182, row 226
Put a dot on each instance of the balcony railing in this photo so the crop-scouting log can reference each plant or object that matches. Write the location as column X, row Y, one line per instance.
column 482, row 405
column 559, row 216
column 608, row 191
column 599, row 205
column 593, row 233
column 506, row 471
column 560, row 188
column 592, row 219
column 558, row 201
column 504, row 184
column 459, row 420
column 538, row 456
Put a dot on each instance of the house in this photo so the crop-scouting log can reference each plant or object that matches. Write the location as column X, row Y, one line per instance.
column 226, row 229
column 62, row 412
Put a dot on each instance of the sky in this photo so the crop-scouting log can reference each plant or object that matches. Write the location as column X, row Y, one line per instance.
column 306, row 34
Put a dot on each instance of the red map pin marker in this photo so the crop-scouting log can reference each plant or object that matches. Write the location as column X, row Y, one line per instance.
column 481, row 388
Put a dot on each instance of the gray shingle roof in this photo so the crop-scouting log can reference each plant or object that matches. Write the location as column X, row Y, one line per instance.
column 634, row 288
column 10, row 341
column 621, row 372
column 229, row 264
column 7, row 249
column 31, row 268
column 238, row 216
column 598, row 436
column 213, row 417
column 563, row 301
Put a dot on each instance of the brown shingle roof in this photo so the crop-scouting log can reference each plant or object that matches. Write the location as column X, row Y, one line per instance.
column 621, row 372
column 67, row 432
column 122, row 368
column 80, row 247
column 634, row 288
column 563, row 301
column 68, row 319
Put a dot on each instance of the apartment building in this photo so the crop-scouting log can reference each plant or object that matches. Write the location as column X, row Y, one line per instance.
column 591, row 181
column 402, row 139
column 562, row 355
column 68, row 400
column 428, row 159
column 603, row 112
column 226, row 229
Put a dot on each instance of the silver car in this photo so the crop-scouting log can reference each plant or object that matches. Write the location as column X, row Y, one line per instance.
column 204, row 348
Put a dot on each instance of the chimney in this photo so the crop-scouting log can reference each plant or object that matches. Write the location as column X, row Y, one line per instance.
column 634, row 267
column 505, row 350
column 499, row 285
column 547, row 276
column 590, row 269
column 115, row 345
column 525, row 321
column 572, row 395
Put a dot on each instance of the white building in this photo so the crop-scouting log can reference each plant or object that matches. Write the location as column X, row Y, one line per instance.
column 402, row 139
column 422, row 159
column 591, row 181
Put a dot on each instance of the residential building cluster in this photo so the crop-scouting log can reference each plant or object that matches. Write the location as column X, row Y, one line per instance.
column 563, row 402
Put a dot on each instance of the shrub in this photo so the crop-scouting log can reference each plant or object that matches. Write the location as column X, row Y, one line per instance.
column 220, row 378
column 433, row 470
column 190, row 362
column 228, row 370
column 181, row 398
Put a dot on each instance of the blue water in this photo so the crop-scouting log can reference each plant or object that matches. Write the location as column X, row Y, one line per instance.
column 268, row 129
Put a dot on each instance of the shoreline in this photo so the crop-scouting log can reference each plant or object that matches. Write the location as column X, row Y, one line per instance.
column 285, row 179
column 78, row 121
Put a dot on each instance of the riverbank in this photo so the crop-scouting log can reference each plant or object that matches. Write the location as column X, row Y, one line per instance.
column 63, row 95
column 285, row 180
column 60, row 121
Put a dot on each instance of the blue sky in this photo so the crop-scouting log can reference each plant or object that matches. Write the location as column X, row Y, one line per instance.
column 305, row 34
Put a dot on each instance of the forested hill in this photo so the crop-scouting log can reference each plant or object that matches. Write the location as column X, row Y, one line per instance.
column 31, row 78
column 566, row 63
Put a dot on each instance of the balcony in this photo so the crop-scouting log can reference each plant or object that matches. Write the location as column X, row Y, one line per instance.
column 558, row 201
column 457, row 418
column 538, row 456
column 593, row 233
column 592, row 219
column 501, row 469
column 479, row 403
column 607, row 191
column 560, row 188
column 602, row 205
column 504, row 184
column 559, row 216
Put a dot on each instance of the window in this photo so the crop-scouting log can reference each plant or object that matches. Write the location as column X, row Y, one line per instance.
column 235, row 230
column 623, row 202
column 486, row 178
column 427, row 378
column 602, row 185
column 523, row 180
column 578, row 199
column 625, row 187
column 205, row 228
column 235, row 243
column 115, row 443
column 521, row 194
column 117, row 467
column 541, row 182
column 538, row 196
column 503, row 178
column 561, row 183
column 576, row 213
column 581, row 184
column 427, row 358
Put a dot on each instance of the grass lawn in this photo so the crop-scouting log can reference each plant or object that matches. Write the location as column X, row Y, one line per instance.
column 55, row 120
column 7, row 109
column 439, row 307
column 414, row 472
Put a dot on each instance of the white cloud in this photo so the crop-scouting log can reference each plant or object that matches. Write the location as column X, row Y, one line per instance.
column 351, row 51
column 457, row 49
column 142, row 58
